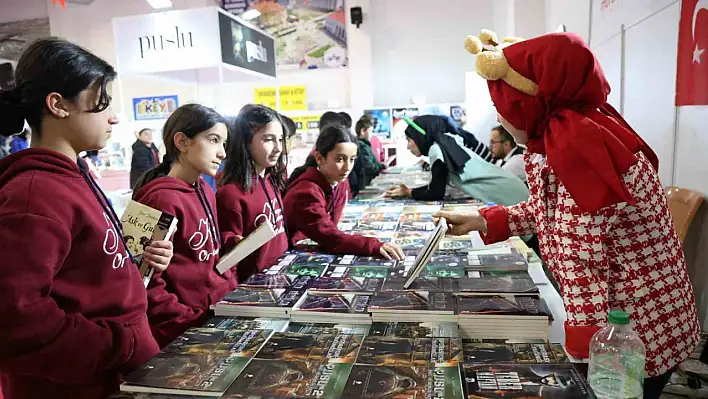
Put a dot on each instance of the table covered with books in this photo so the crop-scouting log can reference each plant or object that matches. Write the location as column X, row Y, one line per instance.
column 454, row 319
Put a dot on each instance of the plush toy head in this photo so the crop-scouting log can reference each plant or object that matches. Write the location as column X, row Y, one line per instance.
column 491, row 63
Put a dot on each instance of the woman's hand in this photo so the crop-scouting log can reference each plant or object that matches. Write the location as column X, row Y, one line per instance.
column 158, row 255
column 462, row 223
column 392, row 251
column 398, row 192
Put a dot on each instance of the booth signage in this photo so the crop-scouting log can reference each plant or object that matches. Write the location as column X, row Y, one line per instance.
column 158, row 107
column 265, row 96
column 246, row 47
column 293, row 98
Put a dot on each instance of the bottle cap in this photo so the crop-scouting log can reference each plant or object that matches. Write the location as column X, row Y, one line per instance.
column 619, row 317
column 490, row 204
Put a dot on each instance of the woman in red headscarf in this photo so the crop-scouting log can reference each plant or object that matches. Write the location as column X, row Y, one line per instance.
column 596, row 202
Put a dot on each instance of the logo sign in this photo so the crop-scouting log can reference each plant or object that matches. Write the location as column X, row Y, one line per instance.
column 158, row 43
column 158, row 107
column 246, row 47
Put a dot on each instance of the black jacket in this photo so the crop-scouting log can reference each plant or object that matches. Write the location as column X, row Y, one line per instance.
column 144, row 159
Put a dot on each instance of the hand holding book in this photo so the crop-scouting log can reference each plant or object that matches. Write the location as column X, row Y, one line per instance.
column 158, row 255
column 462, row 223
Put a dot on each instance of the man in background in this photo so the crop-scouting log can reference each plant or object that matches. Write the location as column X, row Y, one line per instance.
column 145, row 156
column 507, row 154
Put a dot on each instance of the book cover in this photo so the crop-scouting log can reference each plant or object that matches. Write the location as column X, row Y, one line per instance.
column 353, row 260
column 321, row 348
column 386, row 382
column 502, row 381
column 276, row 297
column 511, row 261
column 261, row 235
column 446, row 260
column 445, row 382
column 261, row 280
column 431, row 271
column 439, row 302
column 395, row 351
column 336, row 271
column 289, row 379
column 198, row 364
column 141, row 226
column 327, row 328
column 245, row 323
column 347, row 284
column 501, row 305
column 414, row 330
column 324, row 302
column 500, row 284
column 305, row 269
column 421, row 284
column 313, row 258
column 416, row 226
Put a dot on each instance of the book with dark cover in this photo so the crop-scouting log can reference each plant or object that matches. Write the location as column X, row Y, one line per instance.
column 446, row 260
column 259, row 297
column 512, row 261
column 433, row 302
column 327, row 328
column 441, row 284
column 504, row 381
column 353, row 260
column 386, row 382
column 337, row 271
column 377, row 225
column 445, row 383
column 416, row 226
column 321, row 348
column 395, row 351
column 501, row 284
column 323, row 302
column 261, row 280
column 347, row 284
column 304, row 269
column 199, row 364
column 512, row 352
column 414, row 330
column 442, row 271
column 289, row 379
column 313, row 258
column 507, row 305
column 245, row 323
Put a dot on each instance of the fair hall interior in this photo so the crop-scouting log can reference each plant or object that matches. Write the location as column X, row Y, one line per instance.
column 404, row 53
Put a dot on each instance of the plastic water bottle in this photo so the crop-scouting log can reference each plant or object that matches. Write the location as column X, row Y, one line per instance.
column 617, row 357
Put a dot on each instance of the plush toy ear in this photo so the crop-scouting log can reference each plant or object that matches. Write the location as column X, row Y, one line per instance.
column 473, row 45
column 488, row 37
column 492, row 65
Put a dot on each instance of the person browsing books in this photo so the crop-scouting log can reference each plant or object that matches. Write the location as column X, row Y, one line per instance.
column 456, row 164
column 319, row 190
column 372, row 167
column 179, row 298
column 249, row 192
column 72, row 301
column 598, row 206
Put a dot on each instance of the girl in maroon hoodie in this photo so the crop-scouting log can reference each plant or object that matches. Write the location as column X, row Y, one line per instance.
column 72, row 302
column 318, row 192
column 180, row 297
column 251, row 185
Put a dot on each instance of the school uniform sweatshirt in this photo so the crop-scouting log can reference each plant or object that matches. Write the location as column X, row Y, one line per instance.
column 180, row 297
column 313, row 208
column 241, row 212
column 72, row 302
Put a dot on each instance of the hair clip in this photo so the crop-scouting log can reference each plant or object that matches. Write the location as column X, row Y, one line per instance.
column 414, row 125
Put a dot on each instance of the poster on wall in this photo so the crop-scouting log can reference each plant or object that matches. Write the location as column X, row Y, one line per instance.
column 293, row 98
column 245, row 47
column 309, row 33
column 457, row 113
column 265, row 96
column 399, row 113
column 435, row 110
column 157, row 107
column 383, row 123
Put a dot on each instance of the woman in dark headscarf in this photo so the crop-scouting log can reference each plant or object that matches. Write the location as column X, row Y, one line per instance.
column 452, row 162
column 446, row 124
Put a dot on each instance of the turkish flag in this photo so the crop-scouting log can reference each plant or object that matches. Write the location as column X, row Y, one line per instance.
column 692, row 57
column 63, row 4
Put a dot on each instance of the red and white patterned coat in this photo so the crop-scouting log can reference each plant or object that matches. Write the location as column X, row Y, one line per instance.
column 623, row 256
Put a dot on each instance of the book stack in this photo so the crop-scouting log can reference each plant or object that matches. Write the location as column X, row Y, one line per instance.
column 502, row 316
column 323, row 306
column 258, row 302
column 436, row 307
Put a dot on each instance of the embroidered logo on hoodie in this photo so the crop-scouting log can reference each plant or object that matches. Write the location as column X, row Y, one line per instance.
column 199, row 239
column 111, row 243
column 275, row 218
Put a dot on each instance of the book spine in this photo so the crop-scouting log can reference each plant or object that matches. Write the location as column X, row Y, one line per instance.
column 165, row 229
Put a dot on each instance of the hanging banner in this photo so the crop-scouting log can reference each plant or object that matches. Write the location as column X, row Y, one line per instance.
column 691, row 57
column 265, row 96
column 293, row 98
column 158, row 107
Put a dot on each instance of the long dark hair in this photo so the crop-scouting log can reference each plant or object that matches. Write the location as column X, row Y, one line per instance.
column 239, row 168
column 51, row 65
column 190, row 119
column 329, row 137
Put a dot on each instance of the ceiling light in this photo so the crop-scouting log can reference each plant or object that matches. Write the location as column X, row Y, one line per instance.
column 251, row 14
column 159, row 4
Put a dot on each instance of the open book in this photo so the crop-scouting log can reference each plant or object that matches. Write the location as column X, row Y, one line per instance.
column 424, row 256
column 261, row 235
column 143, row 225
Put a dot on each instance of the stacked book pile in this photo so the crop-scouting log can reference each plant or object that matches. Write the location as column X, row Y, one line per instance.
column 239, row 358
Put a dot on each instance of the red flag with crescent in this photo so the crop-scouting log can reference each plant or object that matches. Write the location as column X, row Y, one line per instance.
column 62, row 2
column 692, row 57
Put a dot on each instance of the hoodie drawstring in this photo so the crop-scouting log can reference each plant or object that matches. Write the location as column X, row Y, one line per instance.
column 210, row 215
column 107, row 208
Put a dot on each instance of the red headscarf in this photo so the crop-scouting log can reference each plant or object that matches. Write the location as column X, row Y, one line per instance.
column 586, row 142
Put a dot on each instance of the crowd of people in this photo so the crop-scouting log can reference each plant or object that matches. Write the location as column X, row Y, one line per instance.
column 76, row 315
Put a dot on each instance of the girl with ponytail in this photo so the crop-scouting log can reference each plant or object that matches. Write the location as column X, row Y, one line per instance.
column 249, row 192
column 72, row 300
column 179, row 298
column 318, row 192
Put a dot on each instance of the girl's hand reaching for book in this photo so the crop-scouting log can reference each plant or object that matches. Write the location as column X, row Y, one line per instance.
column 392, row 251
column 462, row 223
column 402, row 191
column 158, row 255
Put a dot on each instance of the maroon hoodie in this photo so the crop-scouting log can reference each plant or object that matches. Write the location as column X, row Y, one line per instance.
column 241, row 212
column 313, row 209
column 179, row 297
column 72, row 303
